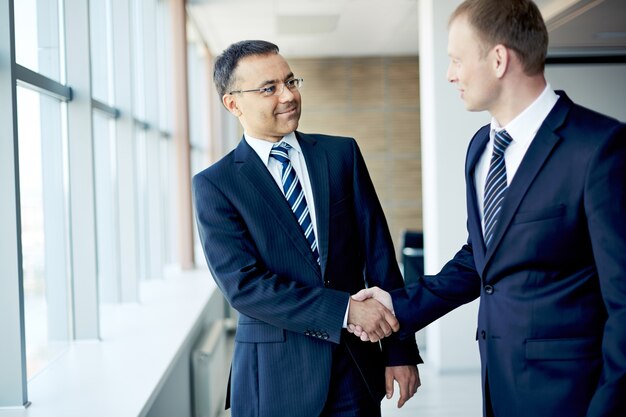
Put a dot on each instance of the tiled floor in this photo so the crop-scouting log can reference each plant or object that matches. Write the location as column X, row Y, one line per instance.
column 441, row 395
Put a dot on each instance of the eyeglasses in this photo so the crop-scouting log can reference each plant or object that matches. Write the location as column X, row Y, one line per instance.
column 274, row 89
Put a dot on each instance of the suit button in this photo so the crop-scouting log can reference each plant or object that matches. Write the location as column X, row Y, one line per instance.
column 483, row 334
column 488, row 289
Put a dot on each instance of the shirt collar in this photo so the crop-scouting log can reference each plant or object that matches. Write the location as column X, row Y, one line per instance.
column 526, row 124
column 264, row 147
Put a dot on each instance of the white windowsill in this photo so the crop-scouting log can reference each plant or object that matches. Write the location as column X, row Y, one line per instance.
column 121, row 374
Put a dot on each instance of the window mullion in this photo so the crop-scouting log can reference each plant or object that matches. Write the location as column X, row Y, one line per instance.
column 124, row 126
column 13, row 382
column 81, row 172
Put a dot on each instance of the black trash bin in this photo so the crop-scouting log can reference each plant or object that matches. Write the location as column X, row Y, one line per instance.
column 412, row 255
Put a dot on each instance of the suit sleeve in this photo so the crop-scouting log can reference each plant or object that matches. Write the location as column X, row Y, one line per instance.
column 605, row 208
column 433, row 296
column 381, row 267
column 246, row 282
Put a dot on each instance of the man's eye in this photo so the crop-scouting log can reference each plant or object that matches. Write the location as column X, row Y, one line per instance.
column 290, row 83
column 269, row 90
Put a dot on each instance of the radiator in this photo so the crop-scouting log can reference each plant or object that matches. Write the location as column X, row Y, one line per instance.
column 210, row 368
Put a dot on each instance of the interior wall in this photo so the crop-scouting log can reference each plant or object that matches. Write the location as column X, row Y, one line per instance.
column 376, row 101
column 600, row 87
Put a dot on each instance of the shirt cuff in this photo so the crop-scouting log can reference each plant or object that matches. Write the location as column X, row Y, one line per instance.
column 345, row 317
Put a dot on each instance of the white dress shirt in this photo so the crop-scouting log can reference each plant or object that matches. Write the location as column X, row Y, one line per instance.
column 522, row 129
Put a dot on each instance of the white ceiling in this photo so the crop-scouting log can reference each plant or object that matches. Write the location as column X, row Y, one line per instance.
column 311, row 27
column 326, row 28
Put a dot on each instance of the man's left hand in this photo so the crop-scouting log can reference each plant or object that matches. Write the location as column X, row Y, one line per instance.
column 408, row 378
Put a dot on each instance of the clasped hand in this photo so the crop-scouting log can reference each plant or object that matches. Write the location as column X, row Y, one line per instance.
column 371, row 316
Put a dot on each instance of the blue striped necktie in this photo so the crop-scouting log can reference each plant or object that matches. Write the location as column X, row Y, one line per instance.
column 295, row 195
column 496, row 184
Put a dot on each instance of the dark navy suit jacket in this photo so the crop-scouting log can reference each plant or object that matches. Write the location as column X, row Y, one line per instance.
column 292, row 309
column 552, row 286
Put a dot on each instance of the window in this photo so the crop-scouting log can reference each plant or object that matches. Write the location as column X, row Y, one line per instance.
column 101, row 50
column 107, row 225
column 38, row 38
column 87, row 171
column 43, row 195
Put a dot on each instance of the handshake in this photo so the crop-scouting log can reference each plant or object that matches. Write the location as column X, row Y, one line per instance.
column 371, row 316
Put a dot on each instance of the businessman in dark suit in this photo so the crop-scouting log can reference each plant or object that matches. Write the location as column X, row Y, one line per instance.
column 546, row 253
column 291, row 226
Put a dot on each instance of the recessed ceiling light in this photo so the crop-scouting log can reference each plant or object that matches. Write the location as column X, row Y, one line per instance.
column 306, row 25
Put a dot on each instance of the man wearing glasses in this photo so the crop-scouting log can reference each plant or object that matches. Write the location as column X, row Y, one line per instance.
column 291, row 226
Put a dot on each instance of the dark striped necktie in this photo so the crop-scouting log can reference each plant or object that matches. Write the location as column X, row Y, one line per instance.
column 295, row 195
column 496, row 184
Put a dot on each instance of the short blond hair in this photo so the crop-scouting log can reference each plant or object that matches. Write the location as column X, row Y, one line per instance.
column 516, row 24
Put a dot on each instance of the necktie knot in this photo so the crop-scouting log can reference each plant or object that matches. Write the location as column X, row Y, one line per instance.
column 280, row 152
column 501, row 141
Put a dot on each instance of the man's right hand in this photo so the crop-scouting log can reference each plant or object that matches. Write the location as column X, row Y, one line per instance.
column 377, row 294
column 375, row 320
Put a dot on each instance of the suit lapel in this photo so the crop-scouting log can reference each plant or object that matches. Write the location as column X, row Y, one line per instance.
column 317, row 166
column 262, row 182
column 476, row 149
column 538, row 152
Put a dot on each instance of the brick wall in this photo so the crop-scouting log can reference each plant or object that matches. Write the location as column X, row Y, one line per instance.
column 376, row 101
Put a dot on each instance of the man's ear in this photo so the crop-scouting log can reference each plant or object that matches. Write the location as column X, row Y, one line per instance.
column 501, row 60
column 230, row 102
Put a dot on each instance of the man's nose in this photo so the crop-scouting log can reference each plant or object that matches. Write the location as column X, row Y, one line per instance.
column 450, row 75
column 285, row 94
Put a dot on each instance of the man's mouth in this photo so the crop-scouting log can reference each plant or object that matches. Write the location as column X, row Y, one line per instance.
column 287, row 112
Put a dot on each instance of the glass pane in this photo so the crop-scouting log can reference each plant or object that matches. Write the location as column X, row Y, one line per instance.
column 43, row 198
column 167, row 179
column 198, row 100
column 37, row 37
column 198, row 163
column 155, row 204
column 150, row 218
column 142, row 201
column 164, row 59
column 99, row 19
column 138, row 54
column 107, row 226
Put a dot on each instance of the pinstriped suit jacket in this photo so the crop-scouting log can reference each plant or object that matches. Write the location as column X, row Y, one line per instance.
column 291, row 309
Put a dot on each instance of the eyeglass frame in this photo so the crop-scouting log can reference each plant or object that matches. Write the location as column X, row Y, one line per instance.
column 297, row 84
